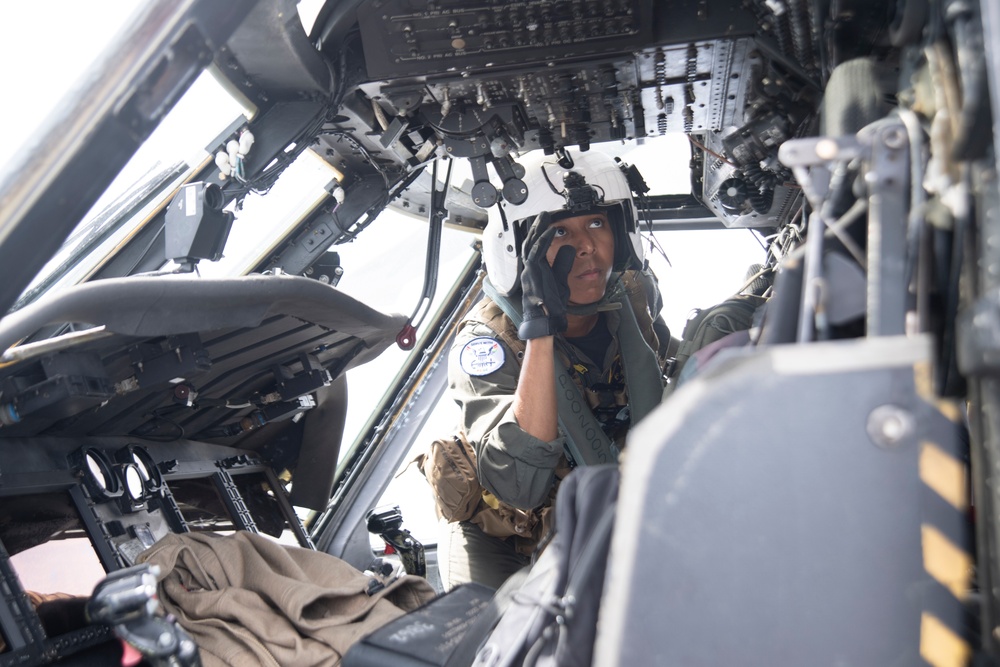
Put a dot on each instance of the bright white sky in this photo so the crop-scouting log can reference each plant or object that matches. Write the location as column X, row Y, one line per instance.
column 45, row 46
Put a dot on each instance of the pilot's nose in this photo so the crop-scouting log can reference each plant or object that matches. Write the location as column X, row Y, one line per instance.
column 585, row 244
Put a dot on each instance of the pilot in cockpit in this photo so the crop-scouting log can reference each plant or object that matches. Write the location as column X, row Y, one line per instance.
column 554, row 365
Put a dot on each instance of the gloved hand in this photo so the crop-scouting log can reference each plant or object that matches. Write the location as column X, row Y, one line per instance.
column 545, row 292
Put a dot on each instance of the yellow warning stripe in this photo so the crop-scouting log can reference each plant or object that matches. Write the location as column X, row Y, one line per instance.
column 924, row 384
column 941, row 647
column 944, row 474
column 944, row 560
column 948, row 563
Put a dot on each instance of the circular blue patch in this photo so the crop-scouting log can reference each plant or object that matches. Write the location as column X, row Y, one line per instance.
column 482, row 356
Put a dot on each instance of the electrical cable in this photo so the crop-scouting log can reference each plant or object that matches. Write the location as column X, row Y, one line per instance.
column 364, row 152
column 709, row 151
column 402, row 184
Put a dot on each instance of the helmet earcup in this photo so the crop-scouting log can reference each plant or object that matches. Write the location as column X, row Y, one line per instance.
column 502, row 255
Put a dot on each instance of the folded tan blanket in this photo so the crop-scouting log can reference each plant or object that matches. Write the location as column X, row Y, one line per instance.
column 247, row 600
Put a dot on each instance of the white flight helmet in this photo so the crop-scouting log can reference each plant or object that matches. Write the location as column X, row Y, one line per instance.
column 603, row 187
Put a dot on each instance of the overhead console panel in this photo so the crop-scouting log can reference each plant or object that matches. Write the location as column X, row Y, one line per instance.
column 487, row 81
column 406, row 37
column 492, row 80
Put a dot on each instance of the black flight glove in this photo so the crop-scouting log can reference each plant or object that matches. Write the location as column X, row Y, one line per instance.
column 545, row 292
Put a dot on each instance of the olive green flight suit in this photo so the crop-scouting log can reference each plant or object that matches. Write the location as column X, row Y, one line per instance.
column 515, row 467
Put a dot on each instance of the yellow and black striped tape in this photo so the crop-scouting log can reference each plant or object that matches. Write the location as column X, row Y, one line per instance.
column 947, row 555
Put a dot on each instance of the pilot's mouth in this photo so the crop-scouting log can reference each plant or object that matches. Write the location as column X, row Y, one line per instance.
column 589, row 274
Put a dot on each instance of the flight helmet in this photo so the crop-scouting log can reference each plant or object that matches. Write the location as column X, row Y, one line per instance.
column 593, row 182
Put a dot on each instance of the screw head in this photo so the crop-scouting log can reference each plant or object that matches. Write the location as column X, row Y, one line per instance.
column 890, row 425
column 894, row 137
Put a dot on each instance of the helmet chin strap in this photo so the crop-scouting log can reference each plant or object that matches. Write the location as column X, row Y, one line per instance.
column 591, row 308
column 606, row 302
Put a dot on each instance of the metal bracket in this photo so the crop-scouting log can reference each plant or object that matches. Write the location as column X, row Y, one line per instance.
column 888, row 180
column 883, row 148
column 294, row 523
column 231, row 498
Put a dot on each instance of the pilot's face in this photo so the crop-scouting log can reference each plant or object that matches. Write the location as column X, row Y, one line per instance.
column 594, row 242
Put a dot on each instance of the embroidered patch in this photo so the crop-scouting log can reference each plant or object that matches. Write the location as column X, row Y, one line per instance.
column 482, row 356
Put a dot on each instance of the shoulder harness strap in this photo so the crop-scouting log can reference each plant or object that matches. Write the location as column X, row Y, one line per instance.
column 586, row 442
column 637, row 296
column 638, row 344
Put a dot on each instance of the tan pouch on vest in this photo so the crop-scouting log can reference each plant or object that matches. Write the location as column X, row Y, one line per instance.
column 450, row 468
column 501, row 520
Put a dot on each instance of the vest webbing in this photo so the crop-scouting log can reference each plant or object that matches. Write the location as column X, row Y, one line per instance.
column 586, row 442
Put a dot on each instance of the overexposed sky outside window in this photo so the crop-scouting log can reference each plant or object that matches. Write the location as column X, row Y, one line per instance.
column 45, row 47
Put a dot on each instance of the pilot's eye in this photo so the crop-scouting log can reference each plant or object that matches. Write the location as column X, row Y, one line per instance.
column 560, row 231
column 597, row 222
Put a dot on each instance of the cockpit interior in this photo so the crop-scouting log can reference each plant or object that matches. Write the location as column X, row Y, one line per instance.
column 169, row 365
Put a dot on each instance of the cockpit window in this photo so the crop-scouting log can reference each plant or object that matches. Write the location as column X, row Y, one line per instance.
column 39, row 76
column 171, row 154
column 386, row 272
column 663, row 162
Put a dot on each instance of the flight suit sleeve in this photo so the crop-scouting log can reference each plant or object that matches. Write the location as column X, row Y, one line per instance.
column 513, row 465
